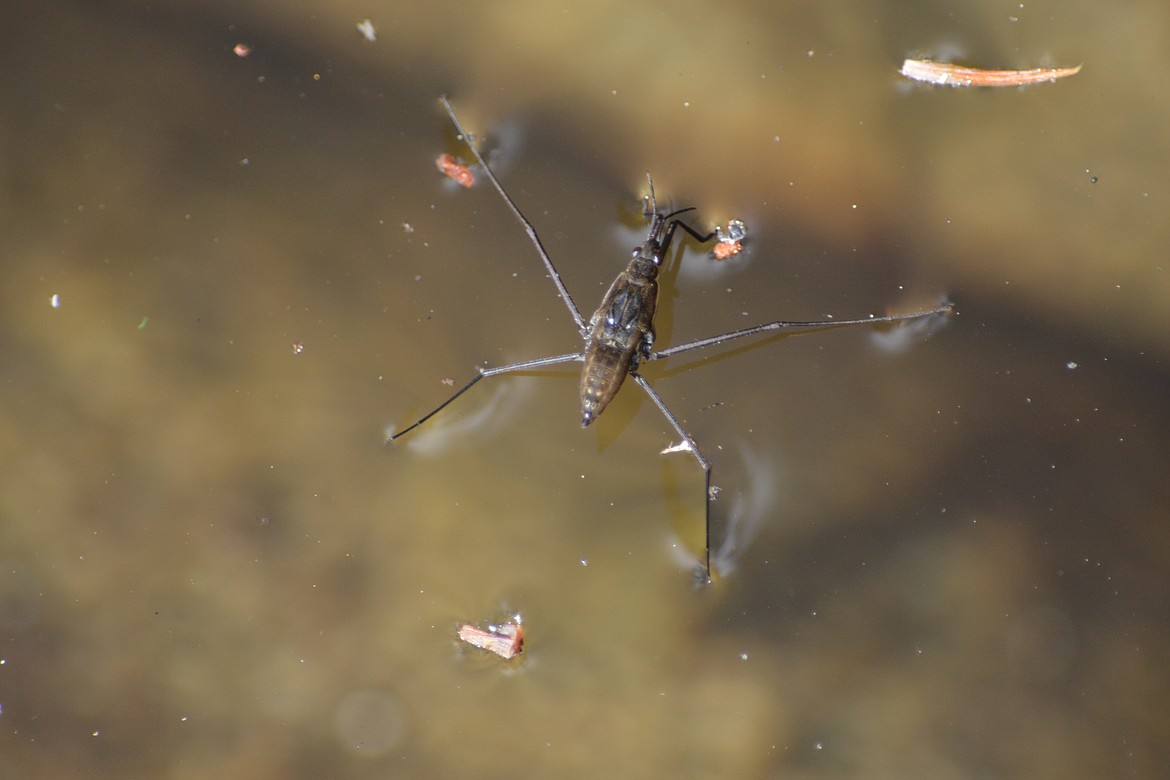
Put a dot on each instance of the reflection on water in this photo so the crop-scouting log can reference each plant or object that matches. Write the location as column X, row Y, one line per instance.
column 750, row 507
column 370, row 722
column 947, row 562
column 904, row 335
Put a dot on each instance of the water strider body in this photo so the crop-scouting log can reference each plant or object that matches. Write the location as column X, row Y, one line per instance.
column 620, row 334
column 621, row 331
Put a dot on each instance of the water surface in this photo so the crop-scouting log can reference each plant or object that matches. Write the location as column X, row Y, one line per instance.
column 224, row 278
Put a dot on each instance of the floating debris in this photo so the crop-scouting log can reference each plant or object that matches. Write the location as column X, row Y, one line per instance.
column 959, row 76
column 730, row 243
column 455, row 170
column 505, row 640
column 366, row 28
column 242, row 50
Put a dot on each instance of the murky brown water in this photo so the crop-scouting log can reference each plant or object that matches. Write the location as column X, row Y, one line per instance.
column 210, row 565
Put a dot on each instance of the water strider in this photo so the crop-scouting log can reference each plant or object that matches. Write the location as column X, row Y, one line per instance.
column 620, row 334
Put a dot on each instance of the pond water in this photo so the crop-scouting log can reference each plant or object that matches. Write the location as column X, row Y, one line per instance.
column 226, row 278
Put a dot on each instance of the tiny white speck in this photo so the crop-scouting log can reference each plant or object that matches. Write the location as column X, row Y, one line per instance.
column 584, row 561
column 743, row 656
column 366, row 28
column 55, row 300
column 1070, row 365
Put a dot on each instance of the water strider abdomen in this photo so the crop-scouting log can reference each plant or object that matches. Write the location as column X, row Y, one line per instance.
column 620, row 332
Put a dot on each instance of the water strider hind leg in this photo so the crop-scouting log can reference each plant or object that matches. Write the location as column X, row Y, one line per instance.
column 704, row 574
column 483, row 373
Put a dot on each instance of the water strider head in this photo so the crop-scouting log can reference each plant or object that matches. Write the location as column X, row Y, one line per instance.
column 647, row 258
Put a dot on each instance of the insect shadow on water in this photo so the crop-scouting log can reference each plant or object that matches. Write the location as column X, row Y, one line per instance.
column 620, row 334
